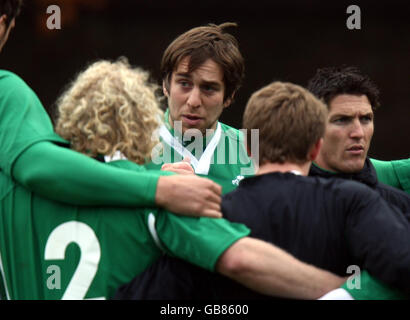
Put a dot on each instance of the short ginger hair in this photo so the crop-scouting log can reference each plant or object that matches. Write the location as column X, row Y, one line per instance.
column 290, row 121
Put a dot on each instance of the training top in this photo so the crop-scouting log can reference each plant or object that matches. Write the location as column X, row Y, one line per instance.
column 50, row 250
column 333, row 224
column 221, row 157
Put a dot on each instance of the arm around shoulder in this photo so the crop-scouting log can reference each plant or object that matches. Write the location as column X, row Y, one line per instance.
column 64, row 175
column 272, row 271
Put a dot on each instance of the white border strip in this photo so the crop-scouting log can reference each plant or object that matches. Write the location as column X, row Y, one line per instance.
column 153, row 231
column 4, row 278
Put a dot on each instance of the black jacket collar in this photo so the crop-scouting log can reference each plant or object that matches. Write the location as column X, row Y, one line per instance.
column 367, row 175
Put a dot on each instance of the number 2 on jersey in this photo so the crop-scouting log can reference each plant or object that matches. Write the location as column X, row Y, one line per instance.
column 85, row 238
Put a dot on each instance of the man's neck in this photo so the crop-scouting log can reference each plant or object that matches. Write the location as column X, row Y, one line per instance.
column 303, row 169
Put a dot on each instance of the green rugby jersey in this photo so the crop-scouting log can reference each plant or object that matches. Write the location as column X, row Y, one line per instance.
column 23, row 120
column 395, row 173
column 49, row 250
column 221, row 157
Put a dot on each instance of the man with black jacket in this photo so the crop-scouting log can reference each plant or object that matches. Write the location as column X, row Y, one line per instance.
column 351, row 98
column 368, row 176
column 330, row 223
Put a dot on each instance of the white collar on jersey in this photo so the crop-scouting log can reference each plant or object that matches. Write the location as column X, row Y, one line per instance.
column 298, row 173
column 116, row 156
column 202, row 165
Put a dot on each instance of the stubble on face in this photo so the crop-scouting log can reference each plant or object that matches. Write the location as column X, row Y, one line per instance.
column 348, row 134
column 196, row 98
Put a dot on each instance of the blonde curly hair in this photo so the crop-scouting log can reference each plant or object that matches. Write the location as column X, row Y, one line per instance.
column 111, row 107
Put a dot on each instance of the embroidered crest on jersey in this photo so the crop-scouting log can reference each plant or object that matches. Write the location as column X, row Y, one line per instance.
column 238, row 179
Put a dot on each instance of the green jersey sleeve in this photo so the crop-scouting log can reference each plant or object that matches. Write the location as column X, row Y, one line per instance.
column 23, row 120
column 402, row 169
column 199, row 241
column 62, row 174
column 386, row 173
column 395, row 173
column 369, row 288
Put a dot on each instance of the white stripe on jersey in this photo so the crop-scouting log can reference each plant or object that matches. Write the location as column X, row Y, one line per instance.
column 202, row 165
column 4, row 278
column 153, row 231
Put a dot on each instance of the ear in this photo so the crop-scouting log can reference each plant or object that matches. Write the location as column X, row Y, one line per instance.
column 3, row 19
column 164, row 89
column 229, row 100
column 315, row 149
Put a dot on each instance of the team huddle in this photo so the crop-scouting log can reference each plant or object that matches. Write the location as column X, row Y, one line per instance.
column 121, row 200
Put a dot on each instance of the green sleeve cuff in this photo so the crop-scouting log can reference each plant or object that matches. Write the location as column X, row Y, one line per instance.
column 366, row 287
column 386, row 173
column 402, row 170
